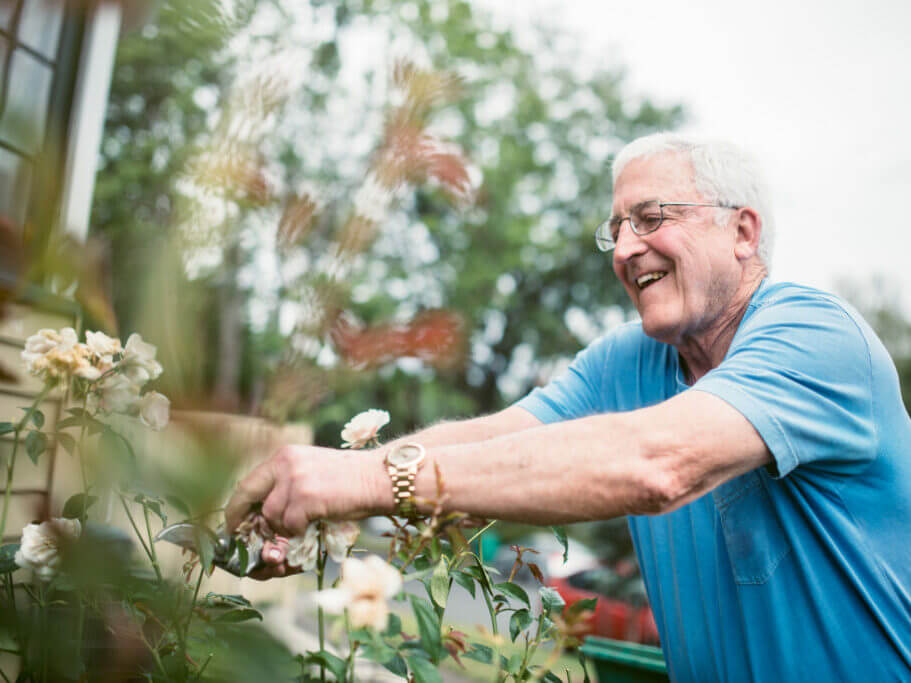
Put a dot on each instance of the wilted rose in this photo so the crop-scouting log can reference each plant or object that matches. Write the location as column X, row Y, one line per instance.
column 364, row 589
column 139, row 364
column 340, row 536
column 363, row 427
column 302, row 550
column 39, row 548
column 154, row 410
column 54, row 355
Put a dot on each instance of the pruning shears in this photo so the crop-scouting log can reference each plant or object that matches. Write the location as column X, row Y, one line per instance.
column 227, row 551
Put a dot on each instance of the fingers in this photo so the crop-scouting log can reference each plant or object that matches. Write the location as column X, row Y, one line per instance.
column 275, row 507
column 274, row 553
column 252, row 489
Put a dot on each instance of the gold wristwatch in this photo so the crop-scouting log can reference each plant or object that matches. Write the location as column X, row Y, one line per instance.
column 402, row 463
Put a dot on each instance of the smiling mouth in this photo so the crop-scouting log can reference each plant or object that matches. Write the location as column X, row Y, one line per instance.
column 649, row 279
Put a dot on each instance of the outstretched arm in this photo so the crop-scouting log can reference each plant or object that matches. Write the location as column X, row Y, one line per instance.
column 647, row 461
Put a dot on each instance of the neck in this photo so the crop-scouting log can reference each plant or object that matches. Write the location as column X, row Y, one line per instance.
column 704, row 351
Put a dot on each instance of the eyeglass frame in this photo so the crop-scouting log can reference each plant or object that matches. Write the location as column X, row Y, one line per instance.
column 661, row 205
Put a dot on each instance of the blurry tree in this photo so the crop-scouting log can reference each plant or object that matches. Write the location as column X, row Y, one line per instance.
column 518, row 266
column 881, row 304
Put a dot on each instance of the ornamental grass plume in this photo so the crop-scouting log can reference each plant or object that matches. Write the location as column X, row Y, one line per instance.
column 363, row 591
column 40, row 547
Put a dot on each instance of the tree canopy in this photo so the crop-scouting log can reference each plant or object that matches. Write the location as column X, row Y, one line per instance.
column 515, row 267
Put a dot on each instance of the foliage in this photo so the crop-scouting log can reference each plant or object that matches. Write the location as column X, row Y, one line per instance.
column 517, row 266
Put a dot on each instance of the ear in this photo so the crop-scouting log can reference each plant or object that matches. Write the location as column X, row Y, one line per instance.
column 749, row 228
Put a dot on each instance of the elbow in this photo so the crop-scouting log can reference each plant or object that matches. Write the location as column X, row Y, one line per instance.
column 662, row 477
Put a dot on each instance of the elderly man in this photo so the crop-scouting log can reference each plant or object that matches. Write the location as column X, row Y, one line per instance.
column 753, row 432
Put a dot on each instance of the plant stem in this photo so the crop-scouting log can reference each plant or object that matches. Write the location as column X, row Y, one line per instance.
column 11, row 465
column 139, row 536
column 320, row 570
column 152, row 553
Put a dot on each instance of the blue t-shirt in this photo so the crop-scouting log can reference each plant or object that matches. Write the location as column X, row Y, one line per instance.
column 800, row 570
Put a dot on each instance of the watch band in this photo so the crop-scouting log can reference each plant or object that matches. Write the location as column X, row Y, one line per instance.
column 403, row 475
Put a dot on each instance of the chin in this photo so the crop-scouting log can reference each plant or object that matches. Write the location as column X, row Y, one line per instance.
column 659, row 328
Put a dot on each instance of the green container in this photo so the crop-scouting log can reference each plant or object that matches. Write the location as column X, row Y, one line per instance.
column 618, row 661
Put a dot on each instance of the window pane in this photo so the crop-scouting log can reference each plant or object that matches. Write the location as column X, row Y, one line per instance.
column 15, row 178
column 39, row 25
column 26, row 104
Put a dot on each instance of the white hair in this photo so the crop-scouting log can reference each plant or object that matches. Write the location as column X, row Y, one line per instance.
column 723, row 173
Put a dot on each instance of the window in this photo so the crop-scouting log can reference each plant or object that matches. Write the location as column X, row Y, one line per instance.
column 39, row 48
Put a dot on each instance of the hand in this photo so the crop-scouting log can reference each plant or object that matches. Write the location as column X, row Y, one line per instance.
column 302, row 483
column 274, row 553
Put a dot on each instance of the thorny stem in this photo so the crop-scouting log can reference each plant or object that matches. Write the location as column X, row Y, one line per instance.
column 153, row 555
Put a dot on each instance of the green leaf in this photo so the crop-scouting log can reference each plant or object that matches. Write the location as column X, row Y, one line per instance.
column 560, row 534
column 205, row 548
column 243, row 557
column 466, row 581
column 38, row 419
column 154, row 504
column 8, row 558
column 518, row 622
column 73, row 507
column 378, row 652
column 237, row 615
column 480, row 653
column 551, row 600
column 67, row 441
column 397, row 666
column 179, row 505
column 7, row 427
column 116, row 446
column 428, row 626
column 393, row 626
column 336, row 665
column 439, row 583
column 35, row 445
column 584, row 603
column 514, row 664
column 514, row 590
column 214, row 599
column 551, row 677
column 424, row 671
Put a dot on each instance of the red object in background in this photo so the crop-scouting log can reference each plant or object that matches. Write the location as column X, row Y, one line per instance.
column 621, row 612
column 437, row 337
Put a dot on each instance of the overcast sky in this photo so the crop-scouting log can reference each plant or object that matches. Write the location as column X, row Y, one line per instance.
column 819, row 91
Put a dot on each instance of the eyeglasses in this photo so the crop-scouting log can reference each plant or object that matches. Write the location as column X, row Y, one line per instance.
column 643, row 219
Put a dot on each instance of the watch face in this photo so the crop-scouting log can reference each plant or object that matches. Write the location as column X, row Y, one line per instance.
column 405, row 454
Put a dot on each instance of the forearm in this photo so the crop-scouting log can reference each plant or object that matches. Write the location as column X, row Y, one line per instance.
column 472, row 430
column 573, row 471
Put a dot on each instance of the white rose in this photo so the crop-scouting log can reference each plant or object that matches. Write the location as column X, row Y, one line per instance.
column 139, row 363
column 302, row 549
column 154, row 410
column 363, row 427
column 39, row 548
column 340, row 536
column 117, row 394
column 103, row 346
column 364, row 589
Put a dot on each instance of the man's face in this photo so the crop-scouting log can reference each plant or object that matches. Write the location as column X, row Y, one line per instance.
column 695, row 255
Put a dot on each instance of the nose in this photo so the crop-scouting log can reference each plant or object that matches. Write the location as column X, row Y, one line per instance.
column 628, row 244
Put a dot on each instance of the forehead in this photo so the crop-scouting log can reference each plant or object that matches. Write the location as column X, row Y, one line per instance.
column 664, row 177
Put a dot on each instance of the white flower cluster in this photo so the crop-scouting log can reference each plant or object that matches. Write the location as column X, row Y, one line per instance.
column 39, row 549
column 115, row 373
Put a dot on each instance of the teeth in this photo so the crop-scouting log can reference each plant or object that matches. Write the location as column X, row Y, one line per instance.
column 643, row 280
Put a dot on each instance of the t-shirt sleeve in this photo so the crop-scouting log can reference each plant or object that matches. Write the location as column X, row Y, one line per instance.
column 800, row 371
column 577, row 391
